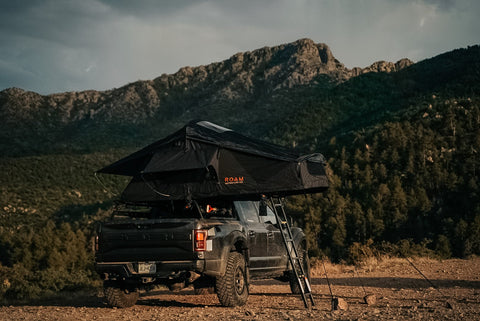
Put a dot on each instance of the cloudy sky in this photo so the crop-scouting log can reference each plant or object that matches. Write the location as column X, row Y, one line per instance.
column 63, row 45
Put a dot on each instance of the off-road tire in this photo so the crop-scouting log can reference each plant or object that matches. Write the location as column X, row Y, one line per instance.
column 117, row 296
column 232, row 288
column 303, row 258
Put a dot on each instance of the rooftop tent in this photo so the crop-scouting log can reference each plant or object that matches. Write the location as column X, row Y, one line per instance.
column 204, row 160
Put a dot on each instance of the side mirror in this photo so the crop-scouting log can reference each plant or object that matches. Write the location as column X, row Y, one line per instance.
column 262, row 211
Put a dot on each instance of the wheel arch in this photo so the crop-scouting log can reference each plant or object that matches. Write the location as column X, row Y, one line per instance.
column 234, row 242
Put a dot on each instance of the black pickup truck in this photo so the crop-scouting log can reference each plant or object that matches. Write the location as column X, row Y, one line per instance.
column 216, row 246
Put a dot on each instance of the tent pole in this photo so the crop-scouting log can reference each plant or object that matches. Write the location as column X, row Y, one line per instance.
column 153, row 188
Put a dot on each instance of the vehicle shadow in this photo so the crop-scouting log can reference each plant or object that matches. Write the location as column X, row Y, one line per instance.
column 171, row 299
column 151, row 302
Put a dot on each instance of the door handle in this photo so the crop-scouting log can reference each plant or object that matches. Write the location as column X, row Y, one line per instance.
column 270, row 234
column 251, row 233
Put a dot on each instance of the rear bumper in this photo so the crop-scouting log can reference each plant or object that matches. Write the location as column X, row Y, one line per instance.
column 108, row 270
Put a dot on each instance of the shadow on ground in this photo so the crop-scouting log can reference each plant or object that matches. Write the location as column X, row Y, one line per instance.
column 388, row 282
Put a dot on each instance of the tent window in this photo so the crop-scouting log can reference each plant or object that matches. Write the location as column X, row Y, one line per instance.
column 315, row 168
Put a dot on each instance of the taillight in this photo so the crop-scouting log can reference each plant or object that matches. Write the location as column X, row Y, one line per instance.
column 200, row 240
column 96, row 243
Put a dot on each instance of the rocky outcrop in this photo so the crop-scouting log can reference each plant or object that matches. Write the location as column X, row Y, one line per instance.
column 382, row 66
column 242, row 77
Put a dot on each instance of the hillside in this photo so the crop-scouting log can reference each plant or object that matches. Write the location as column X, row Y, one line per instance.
column 138, row 113
column 402, row 141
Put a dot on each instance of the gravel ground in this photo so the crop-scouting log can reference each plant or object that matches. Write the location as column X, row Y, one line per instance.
column 401, row 294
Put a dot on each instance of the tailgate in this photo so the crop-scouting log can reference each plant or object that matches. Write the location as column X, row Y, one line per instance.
column 150, row 240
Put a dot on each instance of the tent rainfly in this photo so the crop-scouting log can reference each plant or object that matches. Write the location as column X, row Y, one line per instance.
column 204, row 160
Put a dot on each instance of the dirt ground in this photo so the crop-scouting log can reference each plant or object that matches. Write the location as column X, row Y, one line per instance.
column 401, row 294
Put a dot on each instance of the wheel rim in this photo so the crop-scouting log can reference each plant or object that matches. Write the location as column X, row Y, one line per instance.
column 239, row 280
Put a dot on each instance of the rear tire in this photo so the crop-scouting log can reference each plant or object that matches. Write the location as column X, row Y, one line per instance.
column 119, row 296
column 303, row 258
column 232, row 288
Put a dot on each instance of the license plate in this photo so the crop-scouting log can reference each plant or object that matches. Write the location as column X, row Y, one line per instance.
column 147, row 268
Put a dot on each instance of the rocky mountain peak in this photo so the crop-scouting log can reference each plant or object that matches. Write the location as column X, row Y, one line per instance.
column 311, row 52
column 245, row 76
column 286, row 65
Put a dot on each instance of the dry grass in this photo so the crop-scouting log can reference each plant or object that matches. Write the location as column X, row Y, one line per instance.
column 369, row 264
column 318, row 267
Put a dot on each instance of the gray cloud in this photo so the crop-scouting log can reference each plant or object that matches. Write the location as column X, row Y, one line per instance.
column 150, row 8
column 441, row 4
column 52, row 46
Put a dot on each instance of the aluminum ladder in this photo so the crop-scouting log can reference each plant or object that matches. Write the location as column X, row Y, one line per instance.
column 292, row 252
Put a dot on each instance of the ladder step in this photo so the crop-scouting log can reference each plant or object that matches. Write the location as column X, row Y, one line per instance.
column 289, row 243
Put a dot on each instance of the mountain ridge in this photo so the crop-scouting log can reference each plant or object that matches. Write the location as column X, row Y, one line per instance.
column 283, row 66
